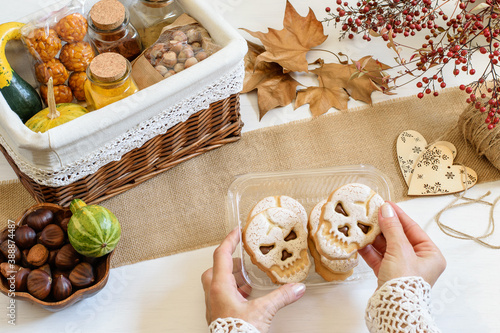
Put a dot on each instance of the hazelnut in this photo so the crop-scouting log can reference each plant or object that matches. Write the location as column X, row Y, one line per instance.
column 67, row 257
column 169, row 73
column 52, row 236
column 61, row 288
column 193, row 35
column 202, row 55
column 176, row 46
column 21, row 279
column 8, row 269
column 39, row 219
column 38, row 255
column 190, row 62
column 10, row 251
column 161, row 69
column 196, row 46
column 169, row 59
column 179, row 67
column 179, row 36
column 186, row 53
column 25, row 237
column 157, row 50
column 82, row 275
column 39, row 283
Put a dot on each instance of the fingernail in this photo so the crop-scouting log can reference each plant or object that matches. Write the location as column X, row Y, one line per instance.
column 299, row 289
column 387, row 210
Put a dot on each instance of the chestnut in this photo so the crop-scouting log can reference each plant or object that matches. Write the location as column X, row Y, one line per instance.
column 46, row 268
column 24, row 258
column 52, row 236
column 39, row 283
column 7, row 269
column 10, row 251
column 52, row 258
column 39, row 219
column 82, row 275
column 4, row 235
column 21, row 279
column 61, row 288
column 67, row 257
column 38, row 255
column 25, row 237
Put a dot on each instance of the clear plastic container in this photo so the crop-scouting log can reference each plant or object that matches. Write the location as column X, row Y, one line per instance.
column 306, row 186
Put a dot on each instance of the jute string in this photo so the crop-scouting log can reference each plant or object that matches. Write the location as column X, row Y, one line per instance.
column 486, row 142
column 475, row 130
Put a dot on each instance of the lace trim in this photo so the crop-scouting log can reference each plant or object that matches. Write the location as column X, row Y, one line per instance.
column 233, row 325
column 401, row 305
column 229, row 84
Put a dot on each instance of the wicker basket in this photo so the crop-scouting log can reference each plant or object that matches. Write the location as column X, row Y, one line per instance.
column 136, row 138
column 203, row 131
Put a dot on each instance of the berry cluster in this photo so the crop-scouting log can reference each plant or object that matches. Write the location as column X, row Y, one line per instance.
column 450, row 41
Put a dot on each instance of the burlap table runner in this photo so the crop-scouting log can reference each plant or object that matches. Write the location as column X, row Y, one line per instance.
column 184, row 208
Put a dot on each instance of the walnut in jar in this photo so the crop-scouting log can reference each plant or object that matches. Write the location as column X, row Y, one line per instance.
column 43, row 44
column 52, row 68
column 76, row 82
column 77, row 56
column 72, row 28
column 62, row 93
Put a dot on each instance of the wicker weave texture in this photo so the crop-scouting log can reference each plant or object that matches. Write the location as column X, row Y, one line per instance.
column 203, row 131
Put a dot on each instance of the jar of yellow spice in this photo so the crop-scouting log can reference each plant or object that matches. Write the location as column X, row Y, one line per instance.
column 108, row 80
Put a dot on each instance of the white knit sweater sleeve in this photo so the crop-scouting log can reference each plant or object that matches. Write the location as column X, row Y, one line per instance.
column 401, row 305
column 233, row 325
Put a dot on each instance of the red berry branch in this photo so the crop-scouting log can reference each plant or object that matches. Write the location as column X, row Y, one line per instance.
column 451, row 40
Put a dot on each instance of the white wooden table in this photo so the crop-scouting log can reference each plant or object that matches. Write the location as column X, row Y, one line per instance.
column 165, row 295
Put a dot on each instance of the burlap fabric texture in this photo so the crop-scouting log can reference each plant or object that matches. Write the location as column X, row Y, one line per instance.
column 184, row 208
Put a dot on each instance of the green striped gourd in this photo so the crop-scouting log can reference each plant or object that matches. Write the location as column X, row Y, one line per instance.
column 54, row 115
column 92, row 230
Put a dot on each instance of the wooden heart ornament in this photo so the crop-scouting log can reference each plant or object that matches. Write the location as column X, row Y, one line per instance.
column 410, row 145
column 435, row 173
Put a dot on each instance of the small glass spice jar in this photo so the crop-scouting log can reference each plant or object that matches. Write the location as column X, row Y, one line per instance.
column 110, row 29
column 108, row 80
column 150, row 16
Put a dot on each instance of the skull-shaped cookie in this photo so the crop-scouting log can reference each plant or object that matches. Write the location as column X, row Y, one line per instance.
column 349, row 220
column 276, row 241
column 337, row 269
column 281, row 201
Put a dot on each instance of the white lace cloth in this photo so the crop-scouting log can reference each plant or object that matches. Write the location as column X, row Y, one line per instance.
column 234, row 325
column 401, row 305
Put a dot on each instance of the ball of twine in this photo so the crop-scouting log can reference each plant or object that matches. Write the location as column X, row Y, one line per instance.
column 475, row 130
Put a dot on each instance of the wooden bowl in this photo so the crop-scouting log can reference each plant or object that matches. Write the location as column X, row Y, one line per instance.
column 101, row 267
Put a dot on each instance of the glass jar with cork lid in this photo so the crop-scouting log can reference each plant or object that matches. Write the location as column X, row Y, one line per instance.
column 150, row 16
column 108, row 80
column 110, row 29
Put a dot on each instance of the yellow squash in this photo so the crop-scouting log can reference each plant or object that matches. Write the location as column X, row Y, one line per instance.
column 54, row 115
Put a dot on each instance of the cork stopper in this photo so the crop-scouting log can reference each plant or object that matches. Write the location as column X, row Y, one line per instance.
column 108, row 67
column 107, row 14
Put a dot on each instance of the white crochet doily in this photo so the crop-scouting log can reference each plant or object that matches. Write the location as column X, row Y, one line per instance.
column 233, row 325
column 229, row 84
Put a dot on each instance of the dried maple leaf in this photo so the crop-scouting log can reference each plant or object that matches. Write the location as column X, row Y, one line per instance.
column 288, row 47
column 339, row 81
column 321, row 99
column 274, row 88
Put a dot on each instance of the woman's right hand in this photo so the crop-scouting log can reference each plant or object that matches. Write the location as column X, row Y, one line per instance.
column 403, row 249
